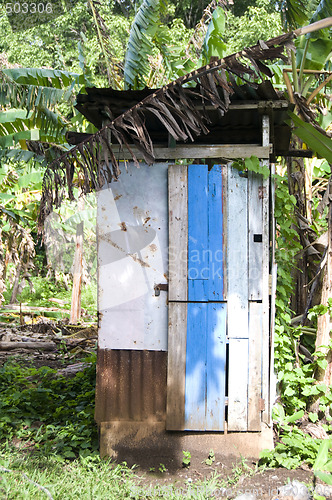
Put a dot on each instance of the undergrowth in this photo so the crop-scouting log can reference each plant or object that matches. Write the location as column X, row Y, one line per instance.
column 42, row 411
column 296, row 383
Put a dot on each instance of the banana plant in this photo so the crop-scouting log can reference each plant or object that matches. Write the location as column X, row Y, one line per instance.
column 149, row 36
column 140, row 45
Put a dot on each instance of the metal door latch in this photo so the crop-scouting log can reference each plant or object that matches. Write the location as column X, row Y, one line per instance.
column 161, row 286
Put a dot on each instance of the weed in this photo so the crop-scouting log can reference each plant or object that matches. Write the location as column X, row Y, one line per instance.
column 186, row 459
column 210, row 459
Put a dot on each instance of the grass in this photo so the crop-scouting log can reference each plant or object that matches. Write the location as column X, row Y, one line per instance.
column 39, row 477
column 83, row 478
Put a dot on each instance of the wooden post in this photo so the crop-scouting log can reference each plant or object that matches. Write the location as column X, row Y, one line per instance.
column 324, row 323
column 75, row 312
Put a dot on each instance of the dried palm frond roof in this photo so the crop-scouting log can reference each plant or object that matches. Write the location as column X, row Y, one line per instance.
column 174, row 106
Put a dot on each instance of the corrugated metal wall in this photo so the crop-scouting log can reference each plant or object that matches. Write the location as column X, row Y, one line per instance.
column 131, row 385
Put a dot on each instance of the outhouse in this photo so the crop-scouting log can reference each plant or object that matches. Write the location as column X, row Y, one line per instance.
column 186, row 280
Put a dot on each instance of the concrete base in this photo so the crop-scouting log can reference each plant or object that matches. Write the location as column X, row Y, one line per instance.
column 144, row 442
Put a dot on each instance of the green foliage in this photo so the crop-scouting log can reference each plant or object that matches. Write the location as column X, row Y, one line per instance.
column 256, row 23
column 140, row 46
column 294, row 448
column 83, row 478
column 296, row 382
column 52, row 414
column 186, row 458
column 213, row 45
column 315, row 139
column 294, row 13
column 44, row 289
column 252, row 164
column 210, row 459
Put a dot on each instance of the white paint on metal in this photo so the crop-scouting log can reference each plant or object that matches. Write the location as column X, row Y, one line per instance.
column 132, row 258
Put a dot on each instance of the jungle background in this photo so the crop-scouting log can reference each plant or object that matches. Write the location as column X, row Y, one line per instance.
column 48, row 278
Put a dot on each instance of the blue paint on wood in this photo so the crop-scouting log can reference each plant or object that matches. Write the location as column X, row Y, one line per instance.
column 215, row 366
column 216, row 253
column 206, row 313
column 195, row 387
column 198, row 290
column 198, row 254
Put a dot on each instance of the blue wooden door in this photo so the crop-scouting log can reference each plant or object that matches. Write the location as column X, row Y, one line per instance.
column 199, row 300
column 218, row 225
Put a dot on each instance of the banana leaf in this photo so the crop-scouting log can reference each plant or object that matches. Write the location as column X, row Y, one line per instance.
column 317, row 142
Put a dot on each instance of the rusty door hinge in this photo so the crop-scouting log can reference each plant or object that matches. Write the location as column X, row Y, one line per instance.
column 161, row 286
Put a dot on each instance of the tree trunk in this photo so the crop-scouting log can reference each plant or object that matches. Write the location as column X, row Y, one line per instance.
column 16, row 284
column 75, row 312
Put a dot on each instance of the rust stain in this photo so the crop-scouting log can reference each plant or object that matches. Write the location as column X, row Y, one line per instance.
column 117, row 197
column 123, row 226
column 146, row 220
column 261, row 192
column 166, row 276
column 115, row 245
column 137, row 259
column 153, row 247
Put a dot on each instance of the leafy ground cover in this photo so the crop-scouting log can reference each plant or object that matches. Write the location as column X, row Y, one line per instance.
column 49, row 448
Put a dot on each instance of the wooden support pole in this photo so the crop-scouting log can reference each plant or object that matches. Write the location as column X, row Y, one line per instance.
column 324, row 322
column 75, row 312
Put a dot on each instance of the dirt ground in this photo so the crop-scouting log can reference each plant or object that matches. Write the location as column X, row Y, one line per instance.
column 227, row 476
column 230, row 479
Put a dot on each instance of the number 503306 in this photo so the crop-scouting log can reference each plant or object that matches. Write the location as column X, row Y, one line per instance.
column 28, row 8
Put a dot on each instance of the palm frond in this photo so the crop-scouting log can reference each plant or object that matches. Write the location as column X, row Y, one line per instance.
column 173, row 105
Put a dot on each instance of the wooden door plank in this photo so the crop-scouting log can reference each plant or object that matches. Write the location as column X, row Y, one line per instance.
column 216, row 367
column 176, row 369
column 195, row 390
column 198, row 254
column 255, row 235
column 216, row 236
column 255, row 366
column 178, row 232
column 238, row 385
column 266, row 305
column 272, row 382
column 237, row 254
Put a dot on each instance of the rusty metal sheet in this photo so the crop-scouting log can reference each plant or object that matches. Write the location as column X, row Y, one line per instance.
column 131, row 385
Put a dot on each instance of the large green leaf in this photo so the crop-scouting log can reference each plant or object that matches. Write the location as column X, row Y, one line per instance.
column 213, row 44
column 317, row 52
column 317, row 142
column 294, row 13
column 322, row 458
column 44, row 77
column 18, row 155
column 139, row 47
column 33, row 88
column 323, row 10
